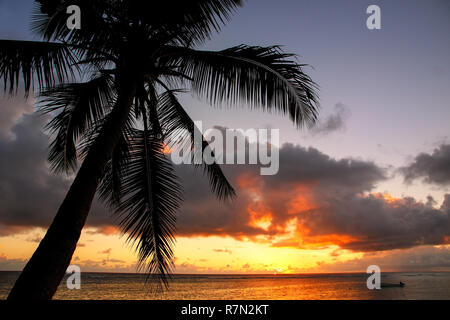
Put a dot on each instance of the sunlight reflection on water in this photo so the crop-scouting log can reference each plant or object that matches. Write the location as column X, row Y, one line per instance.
column 99, row 286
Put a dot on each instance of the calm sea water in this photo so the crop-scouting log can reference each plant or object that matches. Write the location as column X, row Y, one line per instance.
column 112, row 286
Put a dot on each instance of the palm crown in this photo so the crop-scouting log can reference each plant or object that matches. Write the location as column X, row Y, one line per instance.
column 81, row 76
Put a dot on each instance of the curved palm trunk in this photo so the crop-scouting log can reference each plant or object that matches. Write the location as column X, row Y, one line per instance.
column 43, row 273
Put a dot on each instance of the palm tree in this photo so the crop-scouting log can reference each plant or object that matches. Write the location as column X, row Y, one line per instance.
column 112, row 90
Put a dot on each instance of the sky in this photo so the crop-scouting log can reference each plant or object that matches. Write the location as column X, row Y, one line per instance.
column 368, row 185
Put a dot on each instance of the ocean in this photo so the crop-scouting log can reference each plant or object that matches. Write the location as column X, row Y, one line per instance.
column 117, row 286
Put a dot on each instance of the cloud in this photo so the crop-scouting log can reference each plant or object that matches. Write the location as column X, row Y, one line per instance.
column 314, row 201
column 102, row 265
column 303, row 173
column 29, row 193
column 104, row 229
column 334, row 122
column 223, row 251
column 8, row 230
column 34, row 238
column 372, row 223
column 107, row 251
column 7, row 264
column 431, row 168
column 12, row 109
column 418, row 259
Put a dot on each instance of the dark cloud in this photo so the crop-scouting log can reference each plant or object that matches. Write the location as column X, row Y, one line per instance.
column 313, row 201
column 431, row 168
column 374, row 223
column 12, row 110
column 334, row 122
column 303, row 173
column 328, row 202
column 29, row 193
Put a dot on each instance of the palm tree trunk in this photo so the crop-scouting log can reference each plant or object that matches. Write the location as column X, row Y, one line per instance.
column 41, row 276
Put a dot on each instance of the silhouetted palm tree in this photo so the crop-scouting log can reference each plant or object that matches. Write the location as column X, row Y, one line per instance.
column 112, row 90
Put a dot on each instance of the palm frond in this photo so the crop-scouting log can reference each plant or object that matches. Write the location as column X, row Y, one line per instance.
column 110, row 188
column 151, row 195
column 258, row 76
column 96, row 38
column 45, row 62
column 147, row 46
column 146, row 102
column 82, row 105
column 188, row 22
column 50, row 20
column 174, row 118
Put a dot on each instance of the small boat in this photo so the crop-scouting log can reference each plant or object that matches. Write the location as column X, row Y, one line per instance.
column 390, row 285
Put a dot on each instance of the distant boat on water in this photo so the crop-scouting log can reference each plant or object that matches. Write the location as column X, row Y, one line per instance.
column 390, row 285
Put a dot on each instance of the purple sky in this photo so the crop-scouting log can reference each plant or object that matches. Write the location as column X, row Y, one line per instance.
column 393, row 82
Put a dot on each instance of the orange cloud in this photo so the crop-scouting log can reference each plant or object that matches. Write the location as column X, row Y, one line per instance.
column 302, row 201
column 387, row 198
column 259, row 217
column 106, row 230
